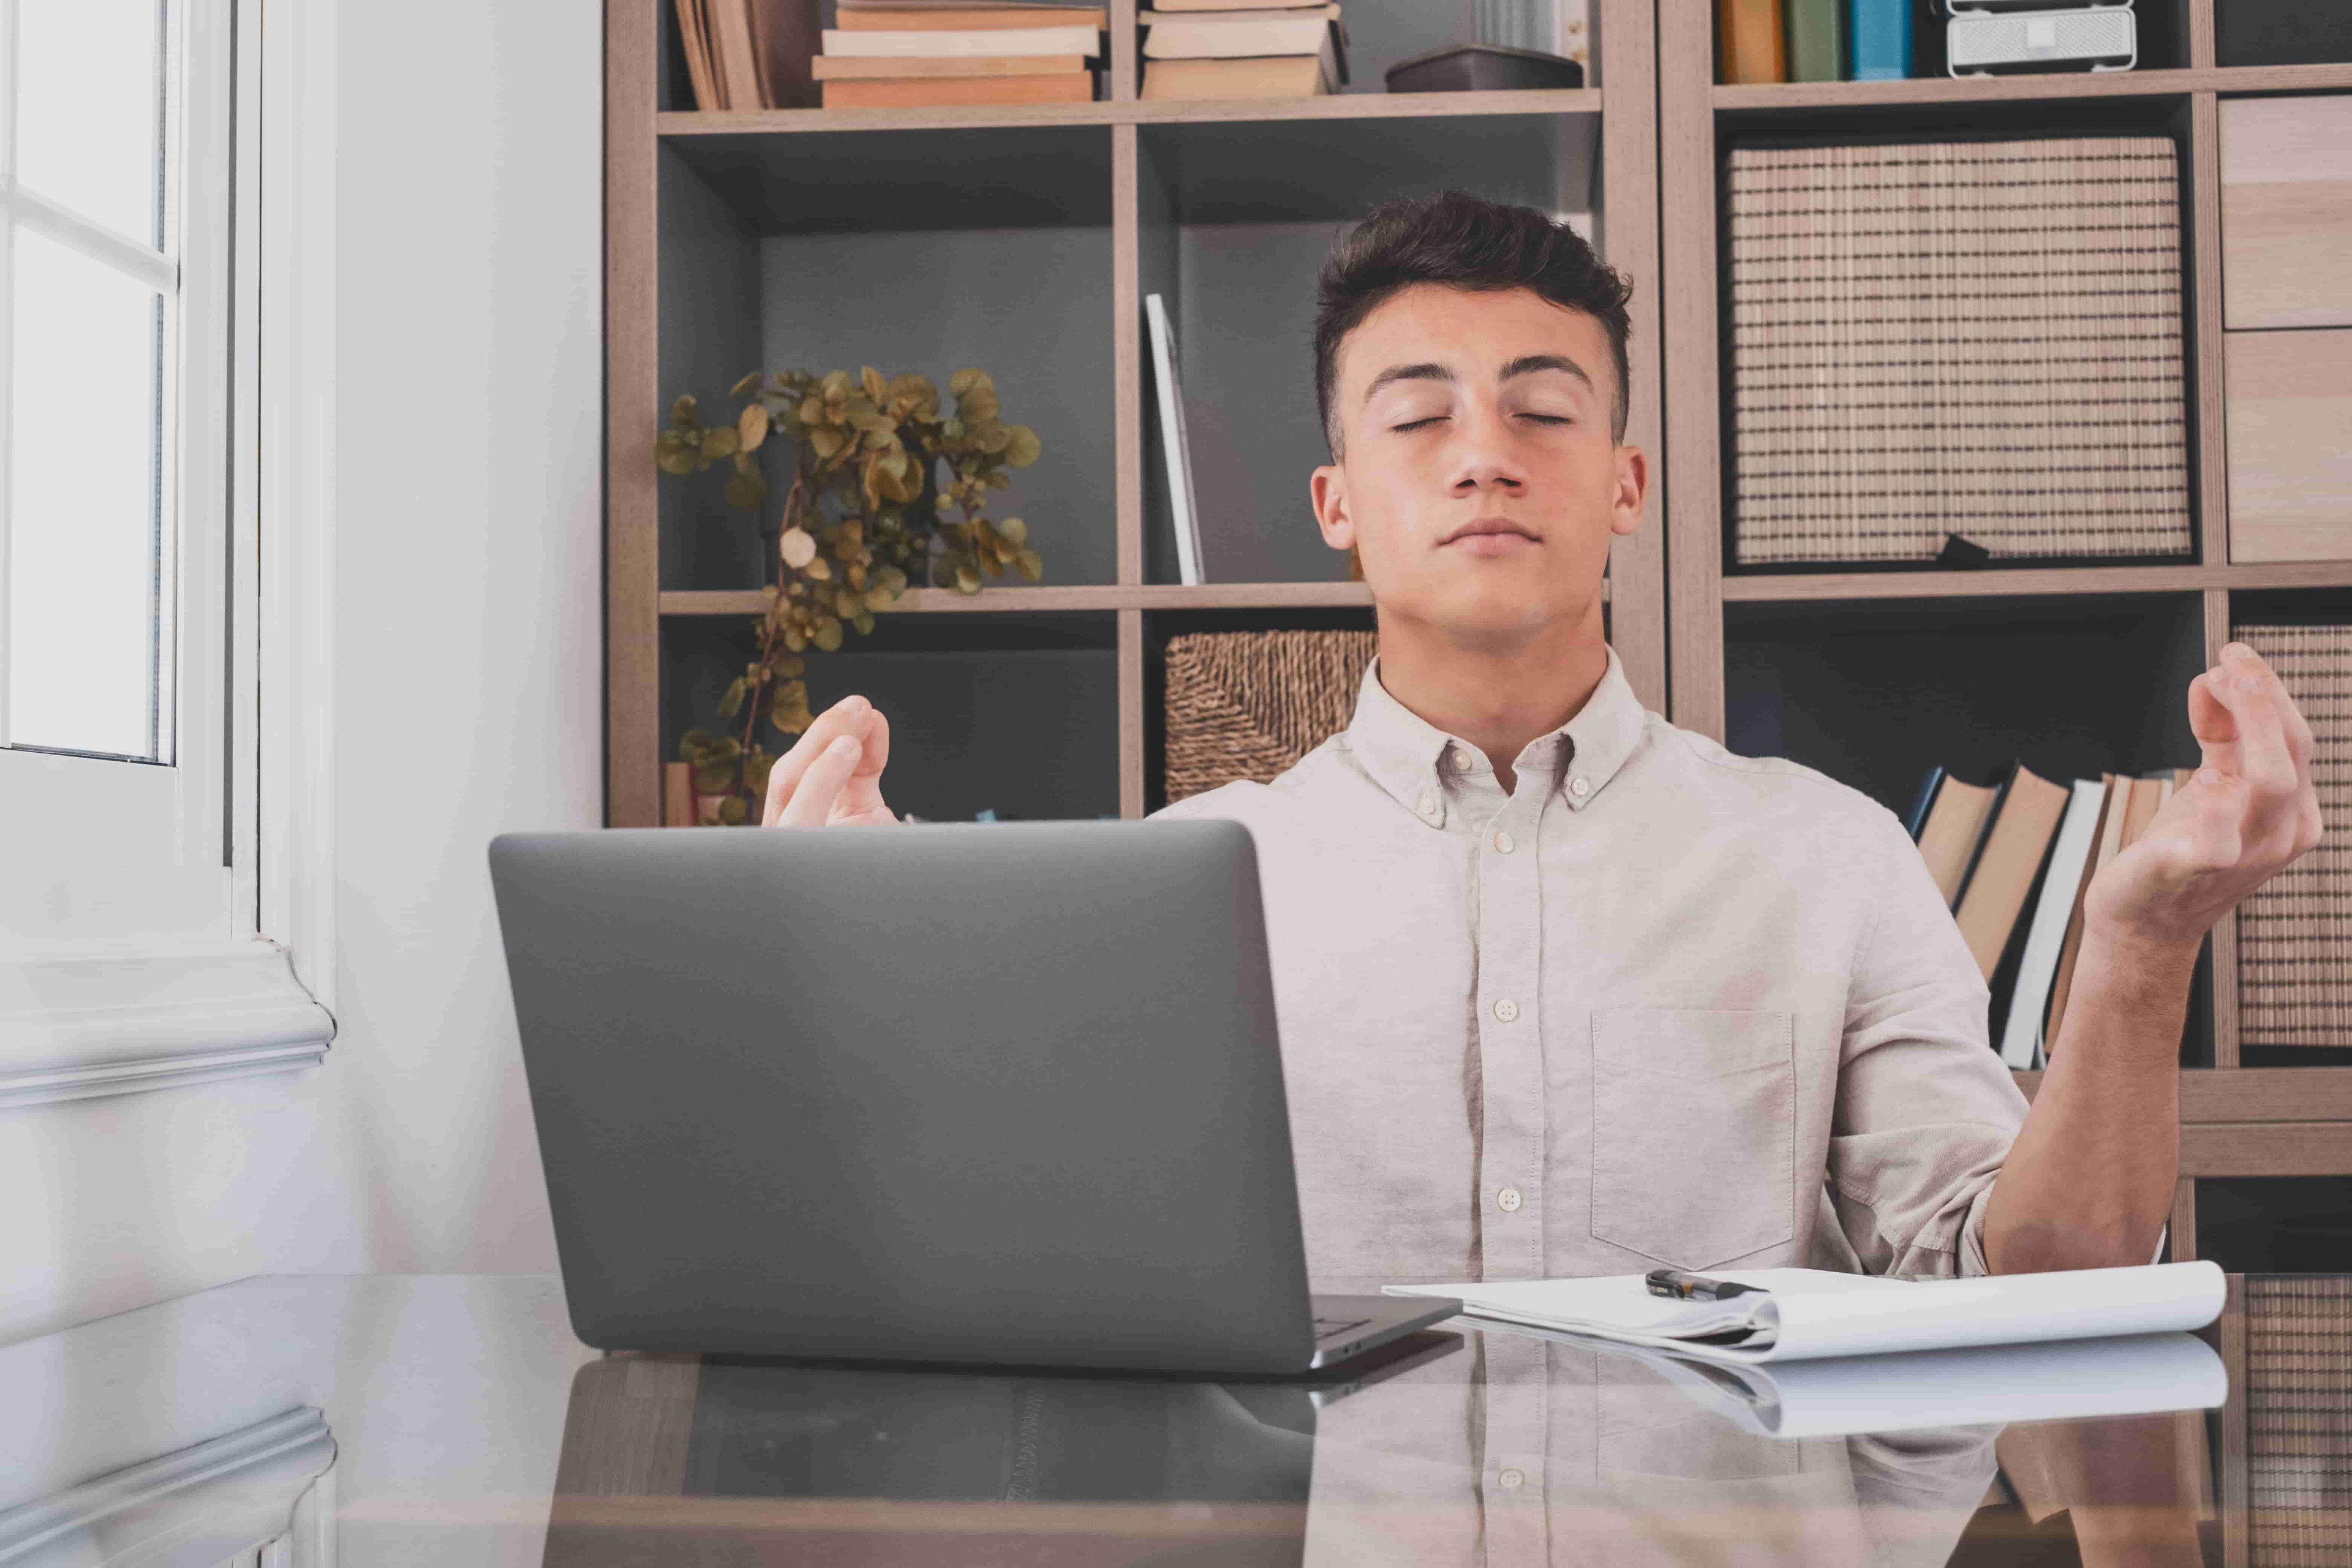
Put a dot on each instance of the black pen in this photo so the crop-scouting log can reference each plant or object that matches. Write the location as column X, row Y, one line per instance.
column 1695, row 1286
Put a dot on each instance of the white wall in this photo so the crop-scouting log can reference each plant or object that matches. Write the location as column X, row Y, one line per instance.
column 468, row 653
column 469, row 619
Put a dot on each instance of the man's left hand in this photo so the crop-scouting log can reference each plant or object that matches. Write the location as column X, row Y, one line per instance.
column 2248, row 812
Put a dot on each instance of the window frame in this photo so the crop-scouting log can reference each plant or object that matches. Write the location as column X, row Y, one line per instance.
column 246, row 987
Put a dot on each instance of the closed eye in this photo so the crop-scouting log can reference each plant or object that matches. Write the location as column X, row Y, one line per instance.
column 1416, row 423
column 1550, row 419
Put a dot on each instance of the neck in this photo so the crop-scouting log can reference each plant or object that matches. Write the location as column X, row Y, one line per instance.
column 1498, row 695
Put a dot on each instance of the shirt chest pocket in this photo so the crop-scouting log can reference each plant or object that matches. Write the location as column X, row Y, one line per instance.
column 1694, row 1134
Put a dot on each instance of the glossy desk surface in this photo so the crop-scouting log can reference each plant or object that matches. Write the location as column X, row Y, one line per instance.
column 464, row 1423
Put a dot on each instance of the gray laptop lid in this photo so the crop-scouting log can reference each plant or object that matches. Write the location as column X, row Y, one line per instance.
column 1004, row 1093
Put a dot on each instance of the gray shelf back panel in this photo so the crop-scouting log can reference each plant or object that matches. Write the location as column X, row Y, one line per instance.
column 1028, row 301
column 1873, row 694
column 709, row 287
column 1235, row 224
column 1029, row 732
column 890, row 182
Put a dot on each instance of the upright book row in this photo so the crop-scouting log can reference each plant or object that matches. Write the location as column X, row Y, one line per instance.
column 1994, row 848
column 1875, row 40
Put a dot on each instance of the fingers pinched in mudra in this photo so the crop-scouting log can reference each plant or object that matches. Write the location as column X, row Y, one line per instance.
column 846, row 718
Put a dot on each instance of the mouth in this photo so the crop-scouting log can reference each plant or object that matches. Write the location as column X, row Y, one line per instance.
column 1489, row 533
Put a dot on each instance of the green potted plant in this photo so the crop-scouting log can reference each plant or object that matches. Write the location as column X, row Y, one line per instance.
column 875, row 464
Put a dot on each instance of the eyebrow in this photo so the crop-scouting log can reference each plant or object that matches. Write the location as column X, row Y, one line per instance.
column 1525, row 364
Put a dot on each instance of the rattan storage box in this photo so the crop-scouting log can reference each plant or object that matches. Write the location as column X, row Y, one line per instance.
column 1246, row 705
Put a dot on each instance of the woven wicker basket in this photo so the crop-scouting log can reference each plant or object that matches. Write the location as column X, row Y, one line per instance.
column 1246, row 705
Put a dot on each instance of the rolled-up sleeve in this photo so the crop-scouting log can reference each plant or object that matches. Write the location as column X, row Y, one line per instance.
column 1925, row 1109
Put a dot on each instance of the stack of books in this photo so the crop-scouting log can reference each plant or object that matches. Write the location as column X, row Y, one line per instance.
column 744, row 54
column 1994, row 849
column 2294, row 932
column 1977, row 340
column 898, row 52
column 1241, row 48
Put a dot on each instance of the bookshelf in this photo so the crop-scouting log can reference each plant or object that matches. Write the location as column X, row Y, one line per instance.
column 1022, row 238
column 1872, row 674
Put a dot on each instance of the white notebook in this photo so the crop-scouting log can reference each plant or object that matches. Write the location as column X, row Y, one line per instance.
column 1804, row 1313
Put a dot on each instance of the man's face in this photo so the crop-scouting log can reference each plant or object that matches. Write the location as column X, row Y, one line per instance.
column 1477, row 477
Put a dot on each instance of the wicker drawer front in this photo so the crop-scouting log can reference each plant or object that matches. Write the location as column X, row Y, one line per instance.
column 2286, row 212
column 1247, row 705
column 1978, row 338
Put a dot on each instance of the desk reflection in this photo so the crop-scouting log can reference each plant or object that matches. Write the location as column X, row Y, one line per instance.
column 1491, row 1447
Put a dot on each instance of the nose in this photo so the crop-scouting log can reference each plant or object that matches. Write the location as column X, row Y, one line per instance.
column 1483, row 458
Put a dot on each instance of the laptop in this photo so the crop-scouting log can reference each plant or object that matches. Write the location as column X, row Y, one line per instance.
column 1002, row 1094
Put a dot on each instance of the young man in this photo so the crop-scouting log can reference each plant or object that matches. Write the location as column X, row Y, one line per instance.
column 1566, row 990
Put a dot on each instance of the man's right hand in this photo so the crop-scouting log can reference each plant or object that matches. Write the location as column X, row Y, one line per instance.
column 833, row 775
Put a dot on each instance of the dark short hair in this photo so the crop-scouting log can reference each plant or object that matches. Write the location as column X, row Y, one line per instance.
column 1464, row 242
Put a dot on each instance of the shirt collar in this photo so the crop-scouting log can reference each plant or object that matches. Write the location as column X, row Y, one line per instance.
column 1406, row 754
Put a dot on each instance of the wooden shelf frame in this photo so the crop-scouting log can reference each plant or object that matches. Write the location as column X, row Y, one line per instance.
column 2236, row 1122
column 636, row 129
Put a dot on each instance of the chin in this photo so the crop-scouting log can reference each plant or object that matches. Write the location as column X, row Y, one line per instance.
column 1506, row 607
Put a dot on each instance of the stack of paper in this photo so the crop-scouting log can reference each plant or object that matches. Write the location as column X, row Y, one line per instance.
column 1799, row 1314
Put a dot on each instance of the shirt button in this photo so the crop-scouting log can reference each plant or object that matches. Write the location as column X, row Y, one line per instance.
column 1505, row 843
column 1428, row 804
column 1508, row 1200
column 1512, row 1479
column 1507, row 1010
column 1579, row 786
column 1459, row 756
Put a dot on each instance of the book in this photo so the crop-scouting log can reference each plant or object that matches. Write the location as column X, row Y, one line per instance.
column 736, row 54
column 2046, row 938
column 1061, row 86
column 1748, row 42
column 1175, row 450
column 1328, row 11
column 1277, row 75
column 836, row 67
column 1992, row 893
column 2110, row 844
column 1223, row 5
column 1948, row 822
column 1803, row 1314
column 1988, row 1385
column 1816, row 41
column 1879, row 33
column 932, row 17
column 1003, row 41
column 1216, row 40
column 783, row 37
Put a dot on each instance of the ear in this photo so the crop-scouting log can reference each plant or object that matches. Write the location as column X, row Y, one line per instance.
column 1632, row 487
column 1329, row 489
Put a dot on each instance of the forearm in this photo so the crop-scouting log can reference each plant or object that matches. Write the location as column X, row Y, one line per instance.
column 2090, row 1179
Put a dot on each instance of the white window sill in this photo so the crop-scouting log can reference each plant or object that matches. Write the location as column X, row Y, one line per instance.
column 80, row 1024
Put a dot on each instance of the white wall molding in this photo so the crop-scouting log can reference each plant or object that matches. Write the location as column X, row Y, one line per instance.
column 297, row 481
column 210, row 1502
column 81, row 1025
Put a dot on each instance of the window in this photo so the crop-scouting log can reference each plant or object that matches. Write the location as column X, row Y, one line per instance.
column 138, row 446
column 125, row 765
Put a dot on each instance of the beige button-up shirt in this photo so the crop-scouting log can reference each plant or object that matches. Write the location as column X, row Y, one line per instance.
column 1658, row 1005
